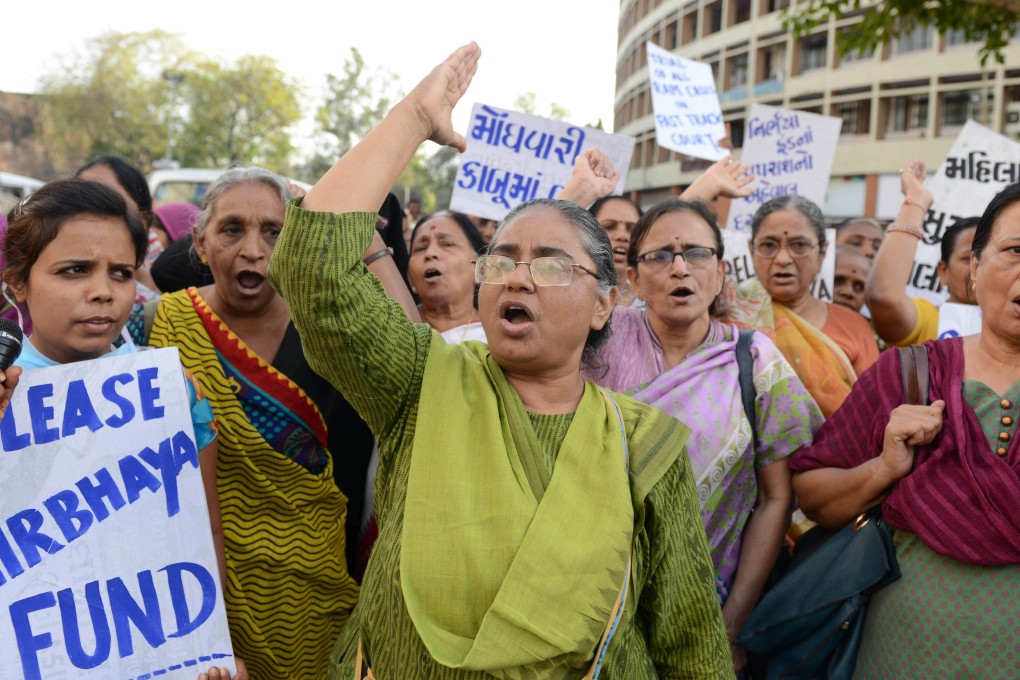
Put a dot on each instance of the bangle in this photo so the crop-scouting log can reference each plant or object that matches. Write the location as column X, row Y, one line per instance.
column 376, row 255
column 911, row 229
column 907, row 200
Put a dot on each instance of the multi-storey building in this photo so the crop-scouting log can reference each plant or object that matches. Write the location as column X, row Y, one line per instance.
column 905, row 100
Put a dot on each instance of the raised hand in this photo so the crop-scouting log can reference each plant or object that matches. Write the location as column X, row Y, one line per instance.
column 726, row 177
column 434, row 97
column 912, row 184
column 594, row 177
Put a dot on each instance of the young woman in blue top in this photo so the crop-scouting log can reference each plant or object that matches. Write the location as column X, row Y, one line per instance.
column 73, row 248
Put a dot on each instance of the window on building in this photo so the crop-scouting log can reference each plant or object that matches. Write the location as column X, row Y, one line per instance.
column 955, row 38
column 713, row 18
column 737, row 133
column 908, row 114
column 772, row 61
column 856, row 117
column 741, row 11
column 812, row 53
column 921, row 38
column 669, row 34
column 769, row 6
column 689, row 28
column 853, row 56
column 958, row 107
column 737, row 71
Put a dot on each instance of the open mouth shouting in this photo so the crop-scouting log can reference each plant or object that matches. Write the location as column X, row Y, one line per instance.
column 515, row 318
column 681, row 294
column 620, row 254
column 250, row 282
column 432, row 274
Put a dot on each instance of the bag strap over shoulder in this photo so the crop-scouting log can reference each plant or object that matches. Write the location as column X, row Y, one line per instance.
column 745, row 364
column 914, row 373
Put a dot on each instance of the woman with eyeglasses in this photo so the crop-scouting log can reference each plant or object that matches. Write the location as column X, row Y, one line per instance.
column 676, row 357
column 531, row 524
column 827, row 345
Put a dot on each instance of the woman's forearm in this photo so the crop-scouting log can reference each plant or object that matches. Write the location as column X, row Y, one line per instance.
column 834, row 496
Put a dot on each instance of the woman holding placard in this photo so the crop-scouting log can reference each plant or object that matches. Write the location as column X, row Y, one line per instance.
column 827, row 345
column 72, row 251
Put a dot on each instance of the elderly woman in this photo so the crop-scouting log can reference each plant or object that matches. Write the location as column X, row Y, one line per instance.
column 899, row 319
column 674, row 356
column 289, row 591
column 491, row 560
column 443, row 246
column 827, row 345
column 947, row 477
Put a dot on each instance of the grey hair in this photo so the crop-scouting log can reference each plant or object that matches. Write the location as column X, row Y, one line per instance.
column 596, row 244
column 791, row 202
column 230, row 179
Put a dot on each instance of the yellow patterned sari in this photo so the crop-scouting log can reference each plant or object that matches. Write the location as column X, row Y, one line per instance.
column 288, row 589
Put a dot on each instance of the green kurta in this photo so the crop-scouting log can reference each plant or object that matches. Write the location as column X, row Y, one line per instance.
column 359, row 339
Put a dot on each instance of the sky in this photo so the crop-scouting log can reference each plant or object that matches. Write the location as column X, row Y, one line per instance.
column 562, row 50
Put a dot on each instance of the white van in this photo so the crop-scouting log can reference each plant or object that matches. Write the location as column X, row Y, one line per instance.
column 18, row 186
column 187, row 185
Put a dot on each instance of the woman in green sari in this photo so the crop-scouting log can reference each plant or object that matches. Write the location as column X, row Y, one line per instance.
column 531, row 524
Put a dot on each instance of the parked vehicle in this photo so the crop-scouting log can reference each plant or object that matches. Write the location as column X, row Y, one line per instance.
column 18, row 186
column 187, row 185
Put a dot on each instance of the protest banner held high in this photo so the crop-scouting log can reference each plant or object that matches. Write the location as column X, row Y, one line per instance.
column 688, row 118
column 515, row 157
column 790, row 152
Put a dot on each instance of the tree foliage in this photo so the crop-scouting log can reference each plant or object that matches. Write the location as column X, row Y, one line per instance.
column 111, row 98
column 355, row 101
column 106, row 99
column 989, row 22
column 238, row 114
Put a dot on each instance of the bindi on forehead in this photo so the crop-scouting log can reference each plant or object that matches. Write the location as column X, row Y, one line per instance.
column 432, row 227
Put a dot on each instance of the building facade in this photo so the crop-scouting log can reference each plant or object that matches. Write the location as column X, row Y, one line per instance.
column 905, row 100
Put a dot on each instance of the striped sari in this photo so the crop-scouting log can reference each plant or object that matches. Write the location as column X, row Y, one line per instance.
column 288, row 591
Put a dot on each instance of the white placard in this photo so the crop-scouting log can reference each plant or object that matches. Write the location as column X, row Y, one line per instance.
column 791, row 152
column 688, row 118
column 107, row 565
column 514, row 157
column 980, row 164
column 957, row 319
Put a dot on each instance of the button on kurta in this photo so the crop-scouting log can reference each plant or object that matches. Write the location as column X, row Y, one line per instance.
column 1006, row 403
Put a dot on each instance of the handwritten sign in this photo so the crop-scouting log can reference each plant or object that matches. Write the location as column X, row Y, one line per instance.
column 980, row 164
column 791, row 152
column 686, row 105
column 107, row 565
column 513, row 157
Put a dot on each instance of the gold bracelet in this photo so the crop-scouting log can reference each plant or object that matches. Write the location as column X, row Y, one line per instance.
column 911, row 229
column 376, row 255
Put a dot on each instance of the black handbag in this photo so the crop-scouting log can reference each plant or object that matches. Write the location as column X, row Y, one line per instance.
column 809, row 624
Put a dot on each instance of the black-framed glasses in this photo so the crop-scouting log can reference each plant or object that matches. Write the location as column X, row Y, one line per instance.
column 545, row 271
column 699, row 256
column 796, row 247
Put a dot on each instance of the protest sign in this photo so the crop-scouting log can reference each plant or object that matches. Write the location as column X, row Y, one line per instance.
column 980, row 164
column 107, row 565
column 686, row 105
column 514, row 157
column 957, row 319
column 791, row 152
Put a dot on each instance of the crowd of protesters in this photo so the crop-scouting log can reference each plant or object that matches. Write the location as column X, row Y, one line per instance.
column 435, row 446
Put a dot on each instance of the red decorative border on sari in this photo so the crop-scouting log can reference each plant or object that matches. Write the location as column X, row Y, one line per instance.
column 258, row 371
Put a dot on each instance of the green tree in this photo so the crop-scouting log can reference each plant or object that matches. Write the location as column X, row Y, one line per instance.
column 527, row 102
column 355, row 101
column 108, row 98
column 238, row 113
column 989, row 22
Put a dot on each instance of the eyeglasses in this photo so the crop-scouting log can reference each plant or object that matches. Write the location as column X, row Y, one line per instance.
column 797, row 248
column 701, row 256
column 545, row 271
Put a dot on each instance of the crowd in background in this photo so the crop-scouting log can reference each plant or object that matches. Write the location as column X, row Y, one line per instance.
column 660, row 424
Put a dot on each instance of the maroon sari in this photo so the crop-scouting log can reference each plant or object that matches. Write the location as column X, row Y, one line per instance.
column 961, row 499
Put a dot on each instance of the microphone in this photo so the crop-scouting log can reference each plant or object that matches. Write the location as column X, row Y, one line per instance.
column 10, row 342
